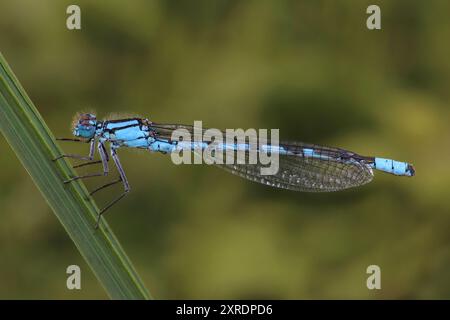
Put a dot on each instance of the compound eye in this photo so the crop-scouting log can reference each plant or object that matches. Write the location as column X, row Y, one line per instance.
column 85, row 122
column 87, row 118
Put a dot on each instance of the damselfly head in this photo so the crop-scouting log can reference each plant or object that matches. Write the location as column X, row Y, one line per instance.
column 84, row 125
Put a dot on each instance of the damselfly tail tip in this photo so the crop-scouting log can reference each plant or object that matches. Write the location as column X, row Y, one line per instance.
column 411, row 170
column 397, row 168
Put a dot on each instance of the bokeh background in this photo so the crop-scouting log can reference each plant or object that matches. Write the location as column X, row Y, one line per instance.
column 310, row 68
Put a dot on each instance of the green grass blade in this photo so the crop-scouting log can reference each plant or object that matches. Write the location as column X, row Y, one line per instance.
column 35, row 146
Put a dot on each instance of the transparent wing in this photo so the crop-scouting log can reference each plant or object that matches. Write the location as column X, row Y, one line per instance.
column 164, row 131
column 320, row 169
column 302, row 173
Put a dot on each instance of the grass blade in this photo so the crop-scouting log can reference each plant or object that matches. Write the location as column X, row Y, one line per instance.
column 35, row 146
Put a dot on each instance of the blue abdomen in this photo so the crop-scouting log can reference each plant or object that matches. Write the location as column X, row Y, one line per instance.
column 392, row 166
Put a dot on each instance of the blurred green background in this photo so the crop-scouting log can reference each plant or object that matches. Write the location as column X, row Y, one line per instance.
column 310, row 68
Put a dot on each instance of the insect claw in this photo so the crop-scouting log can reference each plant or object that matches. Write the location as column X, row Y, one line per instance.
column 97, row 223
column 58, row 157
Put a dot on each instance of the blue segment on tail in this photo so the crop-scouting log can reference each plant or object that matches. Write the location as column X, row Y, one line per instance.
column 395, row 167
column 162, row 146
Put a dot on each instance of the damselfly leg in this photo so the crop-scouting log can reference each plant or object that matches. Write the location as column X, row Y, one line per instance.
column 90, row 157
column 102, row 151
column 104, row 160
column 87, row 164
column 105, row 186
column 124, row 180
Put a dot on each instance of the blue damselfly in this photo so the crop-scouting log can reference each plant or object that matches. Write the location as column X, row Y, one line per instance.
column 302, row 166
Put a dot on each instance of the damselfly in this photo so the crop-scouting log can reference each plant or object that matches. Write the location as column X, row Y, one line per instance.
column 302, row 166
